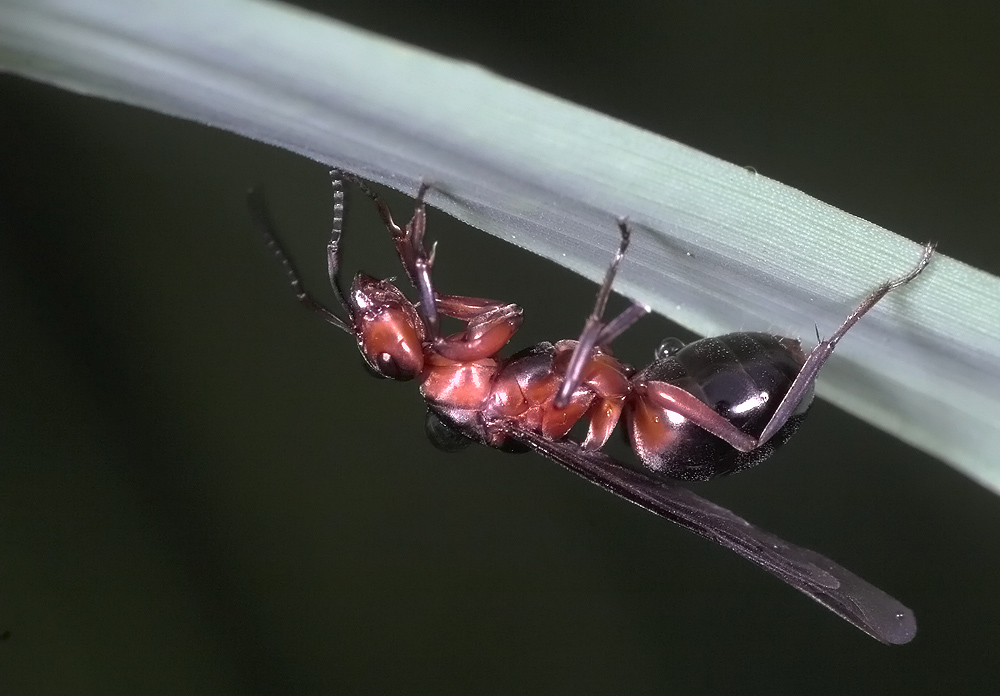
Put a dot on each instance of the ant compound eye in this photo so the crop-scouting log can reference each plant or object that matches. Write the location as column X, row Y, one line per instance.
column 384, row 365
column 390, row 368
column 371, row 369
column 391, row 346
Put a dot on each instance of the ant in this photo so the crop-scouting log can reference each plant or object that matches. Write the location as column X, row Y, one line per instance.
column 712, row 407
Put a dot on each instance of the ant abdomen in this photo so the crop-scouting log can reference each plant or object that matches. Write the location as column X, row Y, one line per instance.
column 740, row 376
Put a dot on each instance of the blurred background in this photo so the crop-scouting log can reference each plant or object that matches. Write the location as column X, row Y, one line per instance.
column 202, row 491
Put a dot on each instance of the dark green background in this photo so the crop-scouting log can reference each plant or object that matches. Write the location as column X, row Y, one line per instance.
column 201, row 491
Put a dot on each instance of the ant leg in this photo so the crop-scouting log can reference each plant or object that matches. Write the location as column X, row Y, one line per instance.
column 617, row 326
column 820, row 354
column 489, row 326
column 421, row 264
column 261, row 216
column 409, row 241
column 680, row 401
column 595, row 332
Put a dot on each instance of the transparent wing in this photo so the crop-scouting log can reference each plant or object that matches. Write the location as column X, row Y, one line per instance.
column 836, row 588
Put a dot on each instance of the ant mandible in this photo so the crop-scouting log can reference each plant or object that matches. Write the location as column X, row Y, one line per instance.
column 701, row 410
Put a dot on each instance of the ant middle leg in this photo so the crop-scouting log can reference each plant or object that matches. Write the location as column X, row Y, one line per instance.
column 596, row 332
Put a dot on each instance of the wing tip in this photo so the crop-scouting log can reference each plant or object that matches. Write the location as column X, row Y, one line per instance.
column 861, row 604
column 902, row 630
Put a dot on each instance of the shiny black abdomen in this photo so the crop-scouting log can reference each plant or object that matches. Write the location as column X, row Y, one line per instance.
column 743, row 377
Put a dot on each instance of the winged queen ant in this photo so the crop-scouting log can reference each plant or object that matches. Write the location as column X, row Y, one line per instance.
column 712, row 407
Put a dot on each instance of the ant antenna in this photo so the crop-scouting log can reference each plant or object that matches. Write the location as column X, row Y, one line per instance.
column 336, row 230
column 260, row 214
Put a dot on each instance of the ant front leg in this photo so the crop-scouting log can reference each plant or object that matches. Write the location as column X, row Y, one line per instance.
column 409, row 240
column 490, row 325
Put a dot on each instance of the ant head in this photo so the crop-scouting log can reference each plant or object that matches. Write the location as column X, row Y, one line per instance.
column 389, row 331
